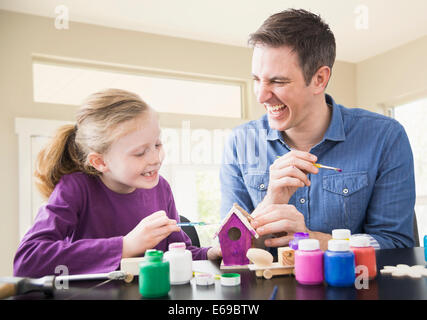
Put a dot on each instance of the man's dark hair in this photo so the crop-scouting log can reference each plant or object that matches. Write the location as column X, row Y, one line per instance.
column 305, row 32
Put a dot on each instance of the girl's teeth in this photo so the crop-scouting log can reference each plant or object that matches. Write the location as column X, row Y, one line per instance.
column 148, row 174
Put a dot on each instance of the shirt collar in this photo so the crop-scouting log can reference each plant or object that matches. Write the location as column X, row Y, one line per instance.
column 335, row 131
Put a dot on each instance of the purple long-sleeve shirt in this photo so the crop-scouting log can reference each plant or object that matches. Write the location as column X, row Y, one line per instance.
column 83, row 224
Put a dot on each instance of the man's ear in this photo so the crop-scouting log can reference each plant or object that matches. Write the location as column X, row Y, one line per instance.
column 320, row 79
column 96, row 160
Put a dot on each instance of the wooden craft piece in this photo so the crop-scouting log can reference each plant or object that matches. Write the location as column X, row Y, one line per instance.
column 286, row 256
column 260, row 257
column 235, row 237
column 131, row 265
column 264, row 266
column 273, row 270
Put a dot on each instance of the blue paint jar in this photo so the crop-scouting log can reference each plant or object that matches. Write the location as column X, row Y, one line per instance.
column 339, row 264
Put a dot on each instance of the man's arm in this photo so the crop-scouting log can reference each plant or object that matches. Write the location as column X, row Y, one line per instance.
column 390, row 213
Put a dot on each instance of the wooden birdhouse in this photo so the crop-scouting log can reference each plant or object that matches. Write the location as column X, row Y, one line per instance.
column 235, row 237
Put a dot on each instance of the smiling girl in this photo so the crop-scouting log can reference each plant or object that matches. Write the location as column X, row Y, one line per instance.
column 106, row 199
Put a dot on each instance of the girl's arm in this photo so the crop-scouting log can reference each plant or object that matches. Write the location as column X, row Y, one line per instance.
column 49, row 244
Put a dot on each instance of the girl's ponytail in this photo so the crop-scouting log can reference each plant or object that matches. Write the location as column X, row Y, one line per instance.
column 61, row 156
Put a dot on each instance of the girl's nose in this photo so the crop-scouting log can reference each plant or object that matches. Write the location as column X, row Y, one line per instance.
column 156, row 156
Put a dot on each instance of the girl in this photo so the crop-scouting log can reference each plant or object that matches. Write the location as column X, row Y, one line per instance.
column 106, row 198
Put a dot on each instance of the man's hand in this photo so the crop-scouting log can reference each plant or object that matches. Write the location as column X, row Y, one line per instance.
column 282, row 221
column 287, row 174
column 278, row 219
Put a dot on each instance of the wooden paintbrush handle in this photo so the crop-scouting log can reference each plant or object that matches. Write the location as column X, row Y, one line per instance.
column 7, row 290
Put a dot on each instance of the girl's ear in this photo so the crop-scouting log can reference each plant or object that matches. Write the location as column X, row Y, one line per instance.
column 96, row 160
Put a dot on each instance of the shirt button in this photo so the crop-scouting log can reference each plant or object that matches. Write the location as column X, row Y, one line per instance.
column 302, row 200
column 262, row 186
column 345, row 191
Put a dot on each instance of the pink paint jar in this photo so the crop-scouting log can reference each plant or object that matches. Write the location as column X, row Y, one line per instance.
column 309, row 262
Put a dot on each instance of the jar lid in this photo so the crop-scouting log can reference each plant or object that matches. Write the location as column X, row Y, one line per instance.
column 301, row 235
column 204, row 279
column 338, row 245
column 341, row 234
column 177, row 245
column 308, row 244
column 154, row 255
column 230, row 279
column 359, row 241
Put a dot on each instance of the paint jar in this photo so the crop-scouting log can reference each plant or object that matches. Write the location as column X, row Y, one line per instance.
column 309, row 262
column 364, row 255
column 341, row 234
column 338, row 263
column 180, row 263
column 154, row 275
column 293, row 244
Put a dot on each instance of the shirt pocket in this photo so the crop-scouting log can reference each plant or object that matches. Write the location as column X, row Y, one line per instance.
column 344, row 199
column 257, row 185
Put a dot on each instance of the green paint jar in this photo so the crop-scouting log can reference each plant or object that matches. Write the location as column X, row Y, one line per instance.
column 154, row 279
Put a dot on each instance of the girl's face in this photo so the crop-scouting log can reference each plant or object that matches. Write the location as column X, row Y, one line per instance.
column 133, row 161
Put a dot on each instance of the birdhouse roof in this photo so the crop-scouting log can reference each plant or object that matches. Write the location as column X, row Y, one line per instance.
column 244, row 217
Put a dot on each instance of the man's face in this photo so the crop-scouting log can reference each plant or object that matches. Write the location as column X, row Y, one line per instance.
column 280, row 86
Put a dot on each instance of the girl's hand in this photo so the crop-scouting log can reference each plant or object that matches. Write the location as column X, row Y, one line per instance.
column 148, row 233
column 287, row 174
column 214, row 253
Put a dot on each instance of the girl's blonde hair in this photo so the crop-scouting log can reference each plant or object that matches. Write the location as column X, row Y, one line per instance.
column 97, row 126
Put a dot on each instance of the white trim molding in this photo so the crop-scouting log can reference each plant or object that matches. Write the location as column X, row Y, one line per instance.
column 26, row 129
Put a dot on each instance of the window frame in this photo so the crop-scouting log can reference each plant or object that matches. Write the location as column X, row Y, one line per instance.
column 244, row 84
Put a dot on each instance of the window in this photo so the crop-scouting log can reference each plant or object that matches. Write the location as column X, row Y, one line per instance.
column 166, row 92
column 413, row 116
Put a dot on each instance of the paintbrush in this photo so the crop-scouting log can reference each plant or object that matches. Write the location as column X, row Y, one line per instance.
column 193, row 224
column 274, row 293
column 322, row 166
column 318, row 165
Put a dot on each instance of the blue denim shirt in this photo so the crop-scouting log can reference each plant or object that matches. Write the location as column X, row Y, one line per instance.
column 374, row 194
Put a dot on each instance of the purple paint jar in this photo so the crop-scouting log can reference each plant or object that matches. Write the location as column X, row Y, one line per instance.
column 293, row 244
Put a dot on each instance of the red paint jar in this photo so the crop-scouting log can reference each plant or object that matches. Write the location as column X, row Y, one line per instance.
column 364, row 255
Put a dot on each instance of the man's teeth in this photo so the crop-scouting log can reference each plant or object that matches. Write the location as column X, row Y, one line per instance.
column 276, row 108
column 148, row 174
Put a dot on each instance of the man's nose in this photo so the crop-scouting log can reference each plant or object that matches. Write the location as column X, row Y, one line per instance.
column 263, row 93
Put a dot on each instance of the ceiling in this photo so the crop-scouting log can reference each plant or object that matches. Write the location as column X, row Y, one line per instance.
column 389, row 24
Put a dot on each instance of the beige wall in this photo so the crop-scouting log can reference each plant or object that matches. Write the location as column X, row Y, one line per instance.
column 21, row 36
column 394, row 77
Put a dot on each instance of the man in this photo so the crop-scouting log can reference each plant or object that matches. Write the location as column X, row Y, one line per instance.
column 268, row 163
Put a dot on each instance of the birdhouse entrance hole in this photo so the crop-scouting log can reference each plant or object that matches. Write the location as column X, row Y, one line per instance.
column 234, row 233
